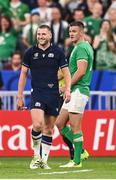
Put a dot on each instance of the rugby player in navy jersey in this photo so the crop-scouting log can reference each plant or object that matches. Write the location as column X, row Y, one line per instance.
column 44, row 61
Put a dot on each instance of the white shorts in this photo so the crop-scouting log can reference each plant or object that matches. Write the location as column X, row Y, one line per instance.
column 77, row 103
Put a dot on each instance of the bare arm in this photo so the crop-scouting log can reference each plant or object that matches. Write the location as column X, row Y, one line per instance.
column 82, row 67
column 60, row 75
column 96, row 42
column 67, row 79
column 21, row 86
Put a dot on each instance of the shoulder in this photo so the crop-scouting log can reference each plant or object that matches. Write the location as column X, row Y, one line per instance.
column 83, row 47
column 87, row 18
column 57, row 49
column 84, row 44
column 28, row 51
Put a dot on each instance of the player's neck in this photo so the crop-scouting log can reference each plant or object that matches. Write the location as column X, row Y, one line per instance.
column 79, row 41
column 44, row 47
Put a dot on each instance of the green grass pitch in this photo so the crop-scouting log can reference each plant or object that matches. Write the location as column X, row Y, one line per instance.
column 93, row 168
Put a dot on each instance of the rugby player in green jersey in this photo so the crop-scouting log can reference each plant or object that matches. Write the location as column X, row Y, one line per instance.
column 80, row 65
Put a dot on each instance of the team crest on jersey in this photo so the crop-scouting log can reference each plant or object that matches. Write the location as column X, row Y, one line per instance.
column 50, row 85
column 51, row 55
column 36, row 55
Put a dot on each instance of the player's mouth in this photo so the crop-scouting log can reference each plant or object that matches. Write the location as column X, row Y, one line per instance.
column 72, row 37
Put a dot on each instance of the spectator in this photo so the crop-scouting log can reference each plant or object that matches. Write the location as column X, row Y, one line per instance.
column 44, row 11
column 90, row 4
column 112, row 6
column 58, row 27
column 105, row 48
column 71, row 5
column 7, row 39
column 105, row 4
column 84, row 7
column 74, row 4
column 93, row 22
column 15, row 63
column 112, row 19
column 78, row 15
column 19, row 13
column 55, row 3
column 29, row 31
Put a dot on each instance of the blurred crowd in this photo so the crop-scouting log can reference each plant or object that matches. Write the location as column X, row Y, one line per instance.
column 19, row 20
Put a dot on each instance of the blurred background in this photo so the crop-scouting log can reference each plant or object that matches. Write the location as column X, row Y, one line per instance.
column 19, row 20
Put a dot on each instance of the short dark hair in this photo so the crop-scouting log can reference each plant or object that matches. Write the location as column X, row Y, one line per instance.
column 77, row 23
column 78, row 9
column 45, row 26
column 17, row 53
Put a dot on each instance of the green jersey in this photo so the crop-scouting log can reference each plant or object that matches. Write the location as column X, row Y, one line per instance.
column 7, row 45
column 20, row 11
column 4, row 7
column 92, row 26
column 82, row 51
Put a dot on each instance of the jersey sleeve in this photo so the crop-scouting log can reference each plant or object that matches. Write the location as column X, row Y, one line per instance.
column 27, row 58
column 81, row 54
column 62, row 60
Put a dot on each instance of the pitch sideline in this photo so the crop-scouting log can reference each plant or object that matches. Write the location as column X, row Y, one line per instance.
column 66, row 172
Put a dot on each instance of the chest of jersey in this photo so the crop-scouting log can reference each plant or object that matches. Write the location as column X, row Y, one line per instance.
column 44, row 60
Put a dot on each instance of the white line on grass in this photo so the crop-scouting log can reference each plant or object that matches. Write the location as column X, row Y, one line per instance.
column 66, row 172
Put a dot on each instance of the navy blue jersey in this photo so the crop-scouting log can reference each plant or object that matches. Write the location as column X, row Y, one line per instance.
column 44, row 65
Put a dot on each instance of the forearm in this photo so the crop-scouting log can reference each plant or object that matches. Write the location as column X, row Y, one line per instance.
column 67, row 79
column 22, row 82
column 76, row 77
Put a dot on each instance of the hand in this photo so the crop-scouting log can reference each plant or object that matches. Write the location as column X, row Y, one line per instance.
column 67, row 96
column 61, row 89
column 20, row 103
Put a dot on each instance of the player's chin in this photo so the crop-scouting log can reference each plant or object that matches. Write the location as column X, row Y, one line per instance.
column 73, row 40
column 42, row 43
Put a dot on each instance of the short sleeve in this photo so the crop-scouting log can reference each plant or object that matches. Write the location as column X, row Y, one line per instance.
column 81, row 54
column 62, row 60
column 27, row 58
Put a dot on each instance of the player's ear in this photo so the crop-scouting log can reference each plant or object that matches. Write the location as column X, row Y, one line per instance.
column 50, row 35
